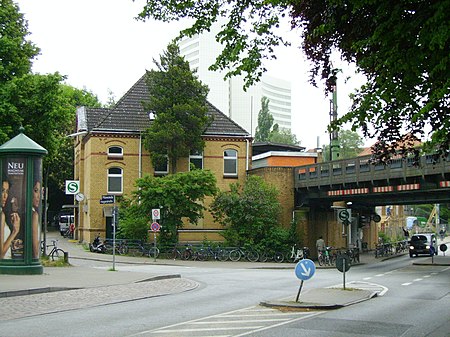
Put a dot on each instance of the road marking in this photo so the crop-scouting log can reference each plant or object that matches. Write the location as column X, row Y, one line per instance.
column 263, row 319
column 427, row 276
column 406, row 284
column 379, row 275
column 366, row 278
column 417, row 280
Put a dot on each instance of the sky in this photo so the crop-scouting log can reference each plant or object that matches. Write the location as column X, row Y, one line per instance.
column 99, row 46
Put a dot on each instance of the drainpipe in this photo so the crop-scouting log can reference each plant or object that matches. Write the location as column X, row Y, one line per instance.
column 140, row 156
column 247, row 155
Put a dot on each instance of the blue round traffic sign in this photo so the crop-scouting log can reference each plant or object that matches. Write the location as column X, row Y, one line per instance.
column 305, row 269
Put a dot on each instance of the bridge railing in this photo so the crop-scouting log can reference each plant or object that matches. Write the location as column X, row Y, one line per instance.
column 362, row 169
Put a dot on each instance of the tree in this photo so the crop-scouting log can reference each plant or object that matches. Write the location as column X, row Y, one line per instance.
column 178, row 100
column 282, row 136
column 181, row 196
column 249, row 213
column 350, row 144
column 265, row 122
column 402, row 47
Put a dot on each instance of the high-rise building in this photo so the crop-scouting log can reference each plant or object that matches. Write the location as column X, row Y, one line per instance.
column 228, row 95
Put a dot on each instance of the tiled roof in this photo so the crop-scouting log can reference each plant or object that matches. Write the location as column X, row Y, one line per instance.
column 128, row 115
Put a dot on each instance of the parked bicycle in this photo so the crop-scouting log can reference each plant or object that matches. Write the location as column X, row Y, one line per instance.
column 249, row 254
column 121, row 246
column 324, row 257
column 55, row 253
column 296, row 254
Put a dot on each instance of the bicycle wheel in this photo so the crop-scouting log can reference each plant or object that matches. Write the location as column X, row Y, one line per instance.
column 278, row 257
column 252, row 255
column 122, row 250
column 201, row 255
column 109, row 248
column 57, row 254
column 321, row 260
column 174, row 254
column 153, row 252
column 137, row 251
column 186, row 255
column 235, row 255
column 263, row 257
column 223, row 255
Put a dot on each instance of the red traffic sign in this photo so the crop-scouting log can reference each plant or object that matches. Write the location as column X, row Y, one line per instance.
column 155, row 227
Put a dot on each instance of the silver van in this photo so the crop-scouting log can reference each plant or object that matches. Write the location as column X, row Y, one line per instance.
column 65, row 221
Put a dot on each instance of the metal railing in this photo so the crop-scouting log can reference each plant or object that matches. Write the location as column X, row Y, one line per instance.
column 361, row 169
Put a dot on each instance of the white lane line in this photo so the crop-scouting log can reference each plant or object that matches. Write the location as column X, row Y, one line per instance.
column 379, row 275
column 242, row 321
column 406, row 284
column 208, row 329
column 426, row 276
column 417, row 280
column 366, row 278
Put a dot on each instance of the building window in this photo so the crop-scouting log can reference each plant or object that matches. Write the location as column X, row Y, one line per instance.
column 162, row 168
column 196, row 159
column 115, row 152
column 115, row 178
column 230, row 163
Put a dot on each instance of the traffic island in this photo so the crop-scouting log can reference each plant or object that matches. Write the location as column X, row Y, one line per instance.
column 324, row 299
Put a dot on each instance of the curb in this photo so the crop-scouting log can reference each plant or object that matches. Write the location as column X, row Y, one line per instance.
column 43, row 290
column 315, row 306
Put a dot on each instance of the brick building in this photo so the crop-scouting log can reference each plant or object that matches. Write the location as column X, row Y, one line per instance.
column 109, row 157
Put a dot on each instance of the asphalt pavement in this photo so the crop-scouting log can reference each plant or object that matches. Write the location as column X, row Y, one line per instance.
column 79, row 285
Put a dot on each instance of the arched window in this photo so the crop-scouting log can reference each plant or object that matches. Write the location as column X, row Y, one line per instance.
column 115, row 152
column 230, row 162
column 115, row 180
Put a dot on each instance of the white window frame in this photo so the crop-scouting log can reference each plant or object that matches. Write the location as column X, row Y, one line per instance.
column 195, row 155
column 160, row 173
column 228, row 158
column 114, row 175
column 115, row 155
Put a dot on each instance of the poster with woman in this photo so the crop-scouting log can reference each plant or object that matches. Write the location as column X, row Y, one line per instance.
column 36, row 207
column 12, row 215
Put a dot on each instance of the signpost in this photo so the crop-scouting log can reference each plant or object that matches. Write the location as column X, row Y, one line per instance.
column 343, row 264
column 304, row 270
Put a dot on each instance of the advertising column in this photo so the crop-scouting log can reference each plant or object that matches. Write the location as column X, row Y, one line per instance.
column 20, row 207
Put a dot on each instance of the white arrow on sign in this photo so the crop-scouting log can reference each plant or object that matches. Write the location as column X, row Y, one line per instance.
column 306, row 272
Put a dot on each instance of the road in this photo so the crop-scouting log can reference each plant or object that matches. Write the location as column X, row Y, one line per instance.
column 415, row 302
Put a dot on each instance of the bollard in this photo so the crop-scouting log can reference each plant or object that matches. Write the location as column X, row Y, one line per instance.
column 66, row 257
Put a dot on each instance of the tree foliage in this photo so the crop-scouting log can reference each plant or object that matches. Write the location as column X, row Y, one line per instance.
column 42, row 104
column 283, row 136
column 402, row 47
column 16, row 53
column 350, row 144
column 265, row 122
column 178, row 101
column 180, row 196
column 266, row 131
column 249, row 213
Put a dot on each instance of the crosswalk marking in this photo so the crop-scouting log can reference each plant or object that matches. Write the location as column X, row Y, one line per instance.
column 234, row 323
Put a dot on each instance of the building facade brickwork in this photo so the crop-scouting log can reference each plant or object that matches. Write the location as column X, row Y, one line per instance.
column 110, row 156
